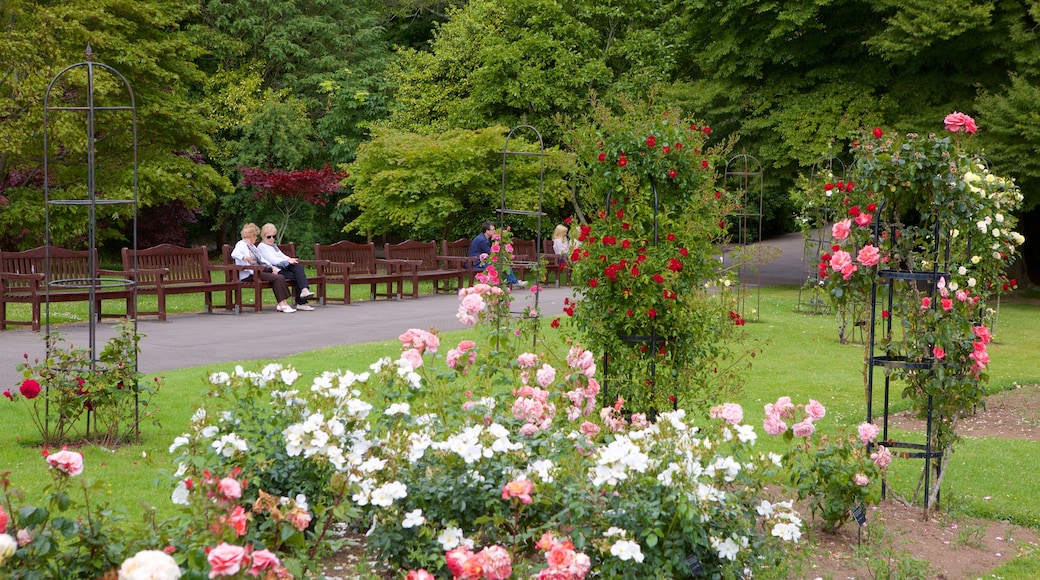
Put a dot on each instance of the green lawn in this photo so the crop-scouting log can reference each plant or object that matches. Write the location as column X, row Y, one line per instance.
column 800, row 357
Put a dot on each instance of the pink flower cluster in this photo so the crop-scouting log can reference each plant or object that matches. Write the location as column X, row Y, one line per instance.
column 491, row 563
column 420, row 340
column 731, row 413
column 228, row 559
column 532, row 406
column 475, row 299
column 463, row 355
column 783, row 408
column 563, row 562
column 979, row 356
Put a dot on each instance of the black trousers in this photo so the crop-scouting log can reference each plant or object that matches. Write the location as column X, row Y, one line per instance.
column 295, row 273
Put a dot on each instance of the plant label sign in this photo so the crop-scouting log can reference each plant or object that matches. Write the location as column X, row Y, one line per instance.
column 859, row 515
column 695, row 564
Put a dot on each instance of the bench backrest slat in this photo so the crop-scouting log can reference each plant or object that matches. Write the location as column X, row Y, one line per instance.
column 186, row 265
column 459, row 248
column 426, row 252
column 363, row 255
column 64, row 265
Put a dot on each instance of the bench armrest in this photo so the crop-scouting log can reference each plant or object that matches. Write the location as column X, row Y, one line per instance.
column 15, row 276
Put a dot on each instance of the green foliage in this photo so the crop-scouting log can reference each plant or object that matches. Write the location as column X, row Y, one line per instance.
column 140, row 40
column 443, row 186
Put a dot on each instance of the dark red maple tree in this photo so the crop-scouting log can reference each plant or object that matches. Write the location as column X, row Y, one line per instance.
column 289, row 190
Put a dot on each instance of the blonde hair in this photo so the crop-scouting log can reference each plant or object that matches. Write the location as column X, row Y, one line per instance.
column 250, row 230
column 560, row 232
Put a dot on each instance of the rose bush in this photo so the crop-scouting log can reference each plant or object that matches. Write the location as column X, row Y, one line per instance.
column 641, row 264
column 929, row 225
column 66, row 388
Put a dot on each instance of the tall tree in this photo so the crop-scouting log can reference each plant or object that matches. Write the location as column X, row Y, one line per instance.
column 141, row 40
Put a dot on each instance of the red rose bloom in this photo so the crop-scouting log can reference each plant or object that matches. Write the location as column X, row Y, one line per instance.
column 620, row 213
column 878, row 132
column 30, row 389
column 602, row 157
column 672, row 173
column 621, row 162
column 593, row 283
column 704, row 164
column 555, row 323
column 652, row 313
column 658, row 278
column 666, row 149
column 670, row 237
column 651, row 141
column 628, row 312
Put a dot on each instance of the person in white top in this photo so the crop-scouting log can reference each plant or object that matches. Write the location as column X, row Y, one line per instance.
column 247, row 254
column 562, row 244
column 288, row 267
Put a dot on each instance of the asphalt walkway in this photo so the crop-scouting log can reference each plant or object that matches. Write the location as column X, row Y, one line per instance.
column 187, row 340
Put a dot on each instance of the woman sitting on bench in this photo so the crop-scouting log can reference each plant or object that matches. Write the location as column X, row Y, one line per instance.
column 247, row 254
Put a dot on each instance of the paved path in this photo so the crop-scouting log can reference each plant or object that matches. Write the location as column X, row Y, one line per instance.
column 188, row 340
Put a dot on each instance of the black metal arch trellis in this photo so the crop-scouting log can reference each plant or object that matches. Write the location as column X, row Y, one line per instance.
column 504, row 210
column 745, row 176
column 90, row 200
column 816, row 236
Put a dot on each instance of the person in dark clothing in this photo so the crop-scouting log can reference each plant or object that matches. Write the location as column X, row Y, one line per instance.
column 480, row 248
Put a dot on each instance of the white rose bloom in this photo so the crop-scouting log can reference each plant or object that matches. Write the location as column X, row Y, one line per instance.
column 450, row 538
column 614, row 531
column 180, row 494
column 413, row 518
column 210, row 432
column 220, row 378
column 229, row 444
column 8, row 546
column 972, row 282
column 746, row 433
column 789, row 532
column 398, row 409
column 727, row 548
column 962, row 270
column 996, row 232
column 150, row 565
column 544, row 469
column 289, row 376
column 975, row 259
column 179, row 442
column 627, row 550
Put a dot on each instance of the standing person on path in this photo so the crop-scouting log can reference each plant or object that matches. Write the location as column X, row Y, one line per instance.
column 290, row 268
column 247, row 254
column 480, row 248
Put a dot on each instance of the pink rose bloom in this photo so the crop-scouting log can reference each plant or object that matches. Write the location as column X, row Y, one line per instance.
column 774, row 425
column 980, row 356
column 784, row 407
column 882, row 457
column 528, row 430
column 452, row 358
column 456, row 559
column 24, row 538
column 732, row 413
column 962, row 295
column 848, row 270
column 473, row 303
column 868, row 256
column 465, row 345
column 860, row 479
column 519, row 488
column 229, row 488
column 496, row 563
column 465, row 317
column 639, row 421
column 983, row 333
column 957, row 121
column 841, row 230
column 589, row 429
column 237, row 520
column 939, row 352
column 263, row 560
column 3, row 520
column 527, row 360
column 546, row 375
column 299, row 518
column 926, row 302
column 68, row 462
column 803, row 428
column 413, row 357
column 815, row 410
column 840, row 259
column 495, row 248
column 420, row 574
column 864, row 219
column 867, row 432
column 947, row 304
column 226, row 560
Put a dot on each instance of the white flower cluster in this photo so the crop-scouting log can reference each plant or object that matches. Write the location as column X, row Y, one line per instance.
column 615, row 460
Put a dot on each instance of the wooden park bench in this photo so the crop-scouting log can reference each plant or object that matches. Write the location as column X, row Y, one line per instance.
column 425, row 264
column 555, row 266
column 353, row 264
column 54, row 274
column 166, row 269
column 460, row 249
column 317, row 281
